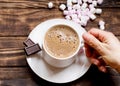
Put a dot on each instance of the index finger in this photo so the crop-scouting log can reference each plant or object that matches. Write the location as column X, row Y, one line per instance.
column 101, row 35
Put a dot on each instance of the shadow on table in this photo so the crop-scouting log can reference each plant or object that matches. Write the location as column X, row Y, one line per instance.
column 92, row 78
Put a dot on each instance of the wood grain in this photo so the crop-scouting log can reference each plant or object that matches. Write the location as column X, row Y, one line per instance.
column 19, row 17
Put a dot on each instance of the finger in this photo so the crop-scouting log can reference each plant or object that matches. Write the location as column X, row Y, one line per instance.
column 93, row 58
column 88, row 50
column 93, row 42
column 103, row 36
column 102, row 68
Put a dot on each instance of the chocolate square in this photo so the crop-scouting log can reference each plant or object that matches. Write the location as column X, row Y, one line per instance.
column 32, row 49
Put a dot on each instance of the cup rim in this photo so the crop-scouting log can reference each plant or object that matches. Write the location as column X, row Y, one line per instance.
column 71, row 56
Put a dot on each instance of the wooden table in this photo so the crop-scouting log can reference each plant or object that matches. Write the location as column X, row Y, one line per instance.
column 19, row 17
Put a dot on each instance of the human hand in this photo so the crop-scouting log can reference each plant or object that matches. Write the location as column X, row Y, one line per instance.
column 102, row 44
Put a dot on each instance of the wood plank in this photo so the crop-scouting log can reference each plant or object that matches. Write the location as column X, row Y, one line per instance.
column 12, row 42
column 21, row 22
column 111, row 17
column 14, row 72
column 26, row 77
column 12, row 57
column 18, row 82
column 43, row 3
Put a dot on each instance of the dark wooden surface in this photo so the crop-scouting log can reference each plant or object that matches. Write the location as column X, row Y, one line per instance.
column 19, row 17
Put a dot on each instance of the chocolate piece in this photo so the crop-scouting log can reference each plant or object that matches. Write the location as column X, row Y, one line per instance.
column 28, row 42
column 32, row 49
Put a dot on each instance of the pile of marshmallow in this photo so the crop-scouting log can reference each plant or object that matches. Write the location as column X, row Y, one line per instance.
column 81, row 11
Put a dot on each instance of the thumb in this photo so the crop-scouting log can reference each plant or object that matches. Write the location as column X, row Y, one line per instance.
column 93, row 42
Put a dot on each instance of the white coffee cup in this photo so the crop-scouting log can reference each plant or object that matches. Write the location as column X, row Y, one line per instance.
column 51, row 59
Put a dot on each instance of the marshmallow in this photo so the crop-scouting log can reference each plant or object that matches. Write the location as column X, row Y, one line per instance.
column 76, row 6
column 89, row 1
column 65, row 12
column 84, row 6
column 72, row 12
column 80, row 2
column 102, row 27
column 69, row 8
column 94, row 3
column 85, row 1
column 101, row 22
column 74, row 16
column 69, row 3
column 98, row 11
column 76, row 20
column 68, row 17
column 50, row 5
column 91, row 6
column 93, row 10
column 99, row 1
column 92, row 16
column 74, row 1
column 62, row 7
column 83, row 23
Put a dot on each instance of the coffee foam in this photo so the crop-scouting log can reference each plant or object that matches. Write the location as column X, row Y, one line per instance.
column 61, row 41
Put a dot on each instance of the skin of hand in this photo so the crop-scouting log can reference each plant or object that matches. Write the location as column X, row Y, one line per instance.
column 102, row 44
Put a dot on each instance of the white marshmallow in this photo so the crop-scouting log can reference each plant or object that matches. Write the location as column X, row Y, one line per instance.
column 93, row 10
column 102, row 27
column 69, row 3
column 91, row 6
column 83, row 23
column 76, row 6
column 74, row 1
column 84, row 6
column 99, row 1
column 101, row 22
column 68, row 17
column 50, row 5
column 85, row 1
column 98, row 11
column 89, row 1
column 94, row 3
column 92, row 16
column 65, row 12
column 62, row 7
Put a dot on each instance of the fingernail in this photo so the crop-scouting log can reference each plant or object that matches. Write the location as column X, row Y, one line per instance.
column 103, row 69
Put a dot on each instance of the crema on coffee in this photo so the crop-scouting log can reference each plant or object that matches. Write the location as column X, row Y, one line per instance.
column 61, row 41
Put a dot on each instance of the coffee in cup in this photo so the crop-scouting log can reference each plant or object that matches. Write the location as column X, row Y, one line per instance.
column 61, row 41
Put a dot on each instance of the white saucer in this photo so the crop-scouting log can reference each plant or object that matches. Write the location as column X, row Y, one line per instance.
column 49, row 73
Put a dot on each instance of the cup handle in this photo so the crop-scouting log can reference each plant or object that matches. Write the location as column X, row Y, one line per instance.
column 81, row 47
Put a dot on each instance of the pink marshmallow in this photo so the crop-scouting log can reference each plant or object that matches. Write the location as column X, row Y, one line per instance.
column 80, row 2
column 76, row 20
column 77, row 6
column 74, row 16
column 71, row 12
column 70, row 8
